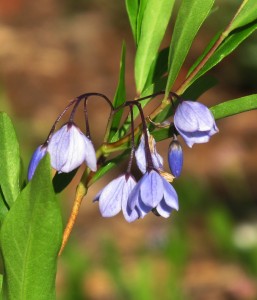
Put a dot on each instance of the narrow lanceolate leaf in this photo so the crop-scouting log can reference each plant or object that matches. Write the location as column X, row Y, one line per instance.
column 10, row 160
column 235, row 106
column 247, row 13
column 132, row 10
column 158, row 68
column 228, row 45
column 30, row 239
column 191, row 15
column 3, row 208
column 140, row 14
column 120, row 95
column 154, row 23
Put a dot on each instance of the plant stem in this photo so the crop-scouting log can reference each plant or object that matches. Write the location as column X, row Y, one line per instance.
column 80, row 193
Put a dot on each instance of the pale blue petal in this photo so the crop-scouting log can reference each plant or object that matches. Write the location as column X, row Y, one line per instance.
column 130, row 185
column 151, row 188
column 163, row 209
column 57, row 148
column 193, row 116
column 112, row 196
column 90, row 156
column 140, row 155
column 170, row 195
column 134, row 195
column 143, row 209
column 131, row 215
column 36, row 157
column 69, row 148
column 184, row 118
column 197, row 137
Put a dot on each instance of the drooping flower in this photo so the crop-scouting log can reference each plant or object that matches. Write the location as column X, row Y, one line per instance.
column 141, row 157
column 195, row 122
column 175, row 157
column 35, row 159
column 69, row 148
column 152, row 192
column 114, row 197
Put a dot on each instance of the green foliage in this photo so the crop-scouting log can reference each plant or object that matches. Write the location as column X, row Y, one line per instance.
column 229, row 45
column 10, row 161
column 119, row 98
column 235, row 106
column 247, row 14
column 155, row 19
column 191, row 15
column 30, row 240
column 132, row 10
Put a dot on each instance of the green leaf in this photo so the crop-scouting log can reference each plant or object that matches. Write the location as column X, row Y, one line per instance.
column 10, row 160
column 158, row 68
column 247, row 14
column 200, row 86
column 132, row 10
column 141, row 11
column 162, row 134
column 120, row 96
column 155, row 20
column 229, row 45
column 235, row 106
column 191, row 15
column 4, row 208
column 30, row 239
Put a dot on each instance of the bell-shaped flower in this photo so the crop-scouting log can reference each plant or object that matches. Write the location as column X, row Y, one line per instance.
column 175, row 158
column 152, row 192
column 69, row 148
column 114, row 197
column 195, row 122
column 141, row 157
column 35, row 159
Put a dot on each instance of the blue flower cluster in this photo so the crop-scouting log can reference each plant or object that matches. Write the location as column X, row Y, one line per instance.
column 69, row 147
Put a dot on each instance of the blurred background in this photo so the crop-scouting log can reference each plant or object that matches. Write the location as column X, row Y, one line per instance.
column 52, row 51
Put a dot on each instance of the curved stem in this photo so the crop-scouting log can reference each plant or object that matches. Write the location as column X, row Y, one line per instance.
column 80, row 193
column 132, row 140
column 58, row 119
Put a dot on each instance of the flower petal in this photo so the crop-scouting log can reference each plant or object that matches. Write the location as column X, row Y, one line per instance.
column 163, row 209
column 130, row 185
column 90, row 156
column 112, row 196
column 170, row 195
column 69, row 148
column 151, row 188
column 197, row 137
column 141, row 158
column 193, row 116
column 35, row 159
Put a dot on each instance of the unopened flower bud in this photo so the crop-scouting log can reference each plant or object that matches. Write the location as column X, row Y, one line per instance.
column 175, row 158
